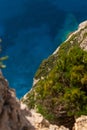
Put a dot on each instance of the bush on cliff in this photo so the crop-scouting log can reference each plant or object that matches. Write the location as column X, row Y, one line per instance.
column 62, row 94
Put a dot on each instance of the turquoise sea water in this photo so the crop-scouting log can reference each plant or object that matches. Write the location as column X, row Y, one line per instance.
column 31, row 30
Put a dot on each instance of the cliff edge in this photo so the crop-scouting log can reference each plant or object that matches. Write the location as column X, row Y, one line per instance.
column 58, row 98
column 59, row 90
column 14, row 115
column 11, row 116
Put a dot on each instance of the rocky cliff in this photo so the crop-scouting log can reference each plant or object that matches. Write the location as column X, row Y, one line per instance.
column 11, row 115
column 14, row 115
column 59, row 90
column 58, row 98
column 81, row 123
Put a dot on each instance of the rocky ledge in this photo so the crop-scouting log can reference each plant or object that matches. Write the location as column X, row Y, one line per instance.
column 59, row 89
column 15, row 115
column 59, row 92
column 11, row 116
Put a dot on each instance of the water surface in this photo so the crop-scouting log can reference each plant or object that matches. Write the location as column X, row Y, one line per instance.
column 31, row 30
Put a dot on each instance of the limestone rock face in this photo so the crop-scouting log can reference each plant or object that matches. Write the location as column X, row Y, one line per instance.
column 38, row 121
column 11, row 116
column 81, row 123
column 58, row 81
column 14, row 115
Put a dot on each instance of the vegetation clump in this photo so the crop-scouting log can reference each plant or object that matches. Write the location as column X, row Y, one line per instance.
column 61, row 95
column 64, row 90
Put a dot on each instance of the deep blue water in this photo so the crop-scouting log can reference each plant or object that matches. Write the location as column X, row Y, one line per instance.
column 31, row 30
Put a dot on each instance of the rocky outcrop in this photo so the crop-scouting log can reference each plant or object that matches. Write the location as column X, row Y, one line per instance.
column 11, row 116
column 60, row 83
column 81, row 123
column 38, row 121
column 48, row 87
column 15, row 115
column 81, row 38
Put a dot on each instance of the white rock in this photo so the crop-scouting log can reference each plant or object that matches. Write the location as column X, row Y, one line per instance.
column 81, row 123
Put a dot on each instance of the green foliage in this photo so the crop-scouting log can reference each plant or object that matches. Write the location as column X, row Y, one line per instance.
column 30, row 102
column 64, row 87
column 45, row 67
column 75, row 101
column 45, row 113
column 84, row 79
column 66, row 83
